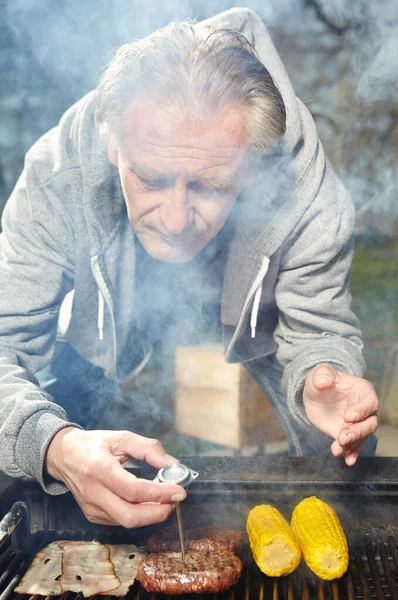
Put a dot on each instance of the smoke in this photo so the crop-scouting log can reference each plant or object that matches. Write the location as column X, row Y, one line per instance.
column 73, row 42
column 380, row 80
column 372, row 30
column 355, row 103
column 341, row 56
column 51, row 57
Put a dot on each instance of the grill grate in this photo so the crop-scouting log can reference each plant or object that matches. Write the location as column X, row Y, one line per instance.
column 372, row 574
column 15, row 546
column 11, row 566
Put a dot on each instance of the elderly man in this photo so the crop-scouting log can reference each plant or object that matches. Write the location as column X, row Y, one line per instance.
column 192, row 174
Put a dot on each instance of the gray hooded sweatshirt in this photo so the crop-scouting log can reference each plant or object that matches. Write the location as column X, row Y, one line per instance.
column 286, row 280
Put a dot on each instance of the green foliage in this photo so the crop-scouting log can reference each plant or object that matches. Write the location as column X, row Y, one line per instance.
column 374, row 287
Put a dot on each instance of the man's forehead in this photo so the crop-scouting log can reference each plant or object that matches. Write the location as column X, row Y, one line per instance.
column 167, row 129
column 161, row 143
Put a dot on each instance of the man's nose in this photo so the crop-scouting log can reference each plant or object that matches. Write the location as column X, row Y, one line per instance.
column 175, row 210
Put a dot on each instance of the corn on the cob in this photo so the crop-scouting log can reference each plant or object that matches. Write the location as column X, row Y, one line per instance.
column 274, row 546
column 322, row 539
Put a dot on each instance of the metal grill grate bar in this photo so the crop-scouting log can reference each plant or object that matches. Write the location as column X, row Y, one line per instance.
column 359, row 567
column 7, row 590
column 320, row 594
column 371, row 554
column 335, row 590
column 139, row 594
column 350, row 587
column 10, row 569
column 5, row 557
column 393, row 549
column 305, row 592
column 247, row 587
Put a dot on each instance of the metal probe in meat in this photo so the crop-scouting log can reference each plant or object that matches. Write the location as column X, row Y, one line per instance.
column 180, row 530
column 183, row 476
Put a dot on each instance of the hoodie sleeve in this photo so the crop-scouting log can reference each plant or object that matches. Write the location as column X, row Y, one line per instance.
column 36, row 272
column 315, row 322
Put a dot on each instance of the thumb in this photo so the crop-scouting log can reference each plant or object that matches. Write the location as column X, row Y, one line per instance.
column 323, row 376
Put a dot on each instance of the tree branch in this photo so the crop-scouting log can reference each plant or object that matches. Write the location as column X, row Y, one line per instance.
column 324, row 18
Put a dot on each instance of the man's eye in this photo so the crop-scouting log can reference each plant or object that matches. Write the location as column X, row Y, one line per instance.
column 205, row 191
column 156, row 183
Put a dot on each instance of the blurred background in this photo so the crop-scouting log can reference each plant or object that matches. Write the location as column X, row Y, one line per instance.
column 342, row 58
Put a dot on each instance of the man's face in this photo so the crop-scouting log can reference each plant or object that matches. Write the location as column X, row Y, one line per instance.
column 180, row 176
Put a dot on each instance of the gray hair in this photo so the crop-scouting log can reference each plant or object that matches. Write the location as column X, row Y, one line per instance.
column 195, row 73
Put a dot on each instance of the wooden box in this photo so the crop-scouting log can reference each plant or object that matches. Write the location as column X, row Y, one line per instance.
column 221, row 402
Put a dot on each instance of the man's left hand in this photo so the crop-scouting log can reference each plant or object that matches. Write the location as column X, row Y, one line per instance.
column 343, row 406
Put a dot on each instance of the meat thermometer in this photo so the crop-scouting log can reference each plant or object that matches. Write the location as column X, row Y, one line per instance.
column 183, row 476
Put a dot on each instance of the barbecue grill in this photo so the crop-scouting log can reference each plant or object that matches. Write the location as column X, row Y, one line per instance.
column 365, row 498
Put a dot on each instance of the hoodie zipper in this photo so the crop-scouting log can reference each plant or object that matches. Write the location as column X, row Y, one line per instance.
column 104, row 297
column 254, row 292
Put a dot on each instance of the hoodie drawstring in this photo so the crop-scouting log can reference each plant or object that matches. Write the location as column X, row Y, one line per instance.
column 101, row 307
column 257, row 296
column 256, row 302
column 100, row 324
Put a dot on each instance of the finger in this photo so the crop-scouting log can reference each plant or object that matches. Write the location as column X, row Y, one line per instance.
column 367, row 405
column 351, row 457
column 130, row 488
column 350, row 436
column 108, row 509
column 131, row 515
column 351, row 454
column 323, row 376
column 148, row 449
column 337, row 449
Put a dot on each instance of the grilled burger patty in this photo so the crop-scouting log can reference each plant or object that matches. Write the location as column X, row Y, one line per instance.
column 197, row 537
column 212, row 571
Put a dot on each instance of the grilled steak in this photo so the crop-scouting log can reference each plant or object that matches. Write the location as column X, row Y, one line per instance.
column 212, row 571
column 198, row 537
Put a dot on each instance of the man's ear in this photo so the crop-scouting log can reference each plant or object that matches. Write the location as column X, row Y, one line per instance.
column 251, row 168
column 113, row 154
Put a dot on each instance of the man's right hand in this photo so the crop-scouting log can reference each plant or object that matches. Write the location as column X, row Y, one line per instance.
column 90, row 464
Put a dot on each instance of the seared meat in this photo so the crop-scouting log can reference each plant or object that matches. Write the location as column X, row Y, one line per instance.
column 44, row 573
column 86, row 568
column 197, row 537
column 201, row 572
column 125, row 559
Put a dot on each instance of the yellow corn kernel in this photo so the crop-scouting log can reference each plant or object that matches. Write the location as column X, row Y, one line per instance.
column 274, row 546
column 322, row 539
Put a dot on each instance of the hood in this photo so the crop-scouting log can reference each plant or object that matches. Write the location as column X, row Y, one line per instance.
column 288, row 179
column 80, row 145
